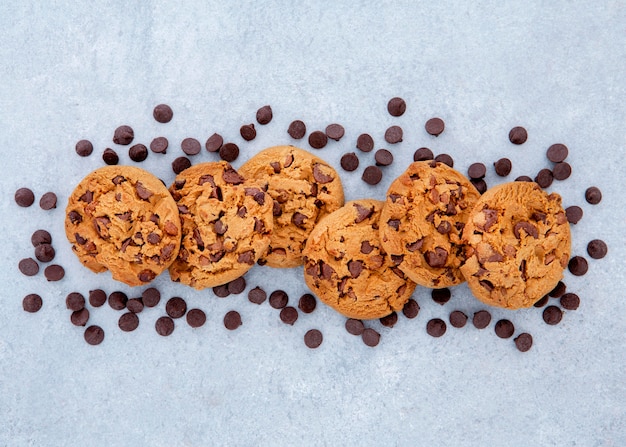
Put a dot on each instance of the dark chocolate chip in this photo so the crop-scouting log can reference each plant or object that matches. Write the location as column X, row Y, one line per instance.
column 396, row 106
column 435, row 126
column 445, row 159
column 574, row 214
column 288, row 315
column 257, row 295
column 411, row 308
column 552, row 315
column 264, row 115
column 84, row 148
column 32, row 303
column 383, row 157
column 542, row 301
column 561, row 171
column 232, row 320
column 389, row 320
column 481, row 319
column 24, row 197
column 135, row 305
column 523, row 342
column 544, row 178
column 221, row 291
column 365, row 143
column 518, row 135
column 163, row 113
column 247, row 132
column 151, row 297
column 94, row 335
column 164, row 326
column 40, row 237
column 190, row 146
column 176, row 307
column 146, row 275
column 44, row 252
column 570, row 301
column 97, row 297
column 128, row 322
column 335, row 131
column 441, row 296
column 313, row 338
column 180, row 164
column 278, row 299
column 349, row 162
column 237, row 286
column 54, row 272
column 557, row 153
column 48, row 201
column 366, row 247
column 74, row 301
column 597, row 249
column 523, row 178
column 110, row 157
column 477, row 170
column 318, row 139
column 503, row 167
column 118, row 300
column 504, row 328
column 558, row 290
column 123, row 135
column 423, row 154
column 436, row 327
column 196, row 318
column 372, row 175
column 458, row 319
column 297, row 130
column 578, row 265
column 479, row 184
column 394, row 134
column 214, row 143
column 307, row 303
column 593, row 195
column 370, row 337
column 138, row 152
column 229, row 152
column 436, row 258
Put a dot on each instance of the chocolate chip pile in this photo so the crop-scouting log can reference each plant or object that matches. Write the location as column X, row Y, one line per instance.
column 176, row 307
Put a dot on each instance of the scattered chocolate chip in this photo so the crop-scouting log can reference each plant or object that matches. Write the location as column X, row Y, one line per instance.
column 523, row 178
column 411, row 308
column 40, row 237
column 458, row 319
column 481, row 319
column 313, row 338
column 196, row 318
column 436, row 327
column 396, row 106
column 190, row 146
column 176, row 307
column 542, row 301
column 544, row 178
column 288, row 315
column 335, row 131
column 24, row 197
column 44, row 252
column 54, row 272
column 307, row 303
column 476, row 171
column 163, row 113
column 164, row 326
column 150, row 297
column 574, row 214
column 523, row 342
column 247, row 132
column 365, row 143
column 503, row 167
column 518, row 135
column 389, row 320
column 232, row 320
column 441, row 296
column 97, row 297
column 504, row 328
column 349, row 162
column 264, row 115
column 237, row 286
column 297, row 129
column 128, row 322
column 354, row 326
column 479, row 184
column 110, row 157
column 578, row 265
column 221, row 291
column 558, row 290
column 84, row 148
column 118, row 300
column 394, row 134
column 278, row 299
column 561, row 171
column 445, row 159
column 74, row 301
column 123, row 135
column 257, row 295
column 372, row 175
column 229, row 152
column 80, row 317
column 423, row 154
column 48, row 201
column 434, row 126
column 94, row 335
column 383, row 157
column 552, row 315
column 593, row 195
column 180, row 164
column 214, row 143
column 135, row 305
column 570, row 301
column 138, row 153
column 32, row 303
column 597, row 249
column 557, row 153
column 370, row 337
column 318, row 139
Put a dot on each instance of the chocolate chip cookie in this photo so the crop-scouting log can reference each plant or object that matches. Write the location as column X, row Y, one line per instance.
column 226, row 224
column 123, row 219
column 422, row 220
column 348, row 269
column 518, row 245
column 303, row 188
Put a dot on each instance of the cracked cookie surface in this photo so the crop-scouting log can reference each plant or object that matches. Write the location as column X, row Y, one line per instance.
column 123, row 219
column 226, row 224
column 518, row 245
column 303, row 188
column 422, row 221
column 347, row 268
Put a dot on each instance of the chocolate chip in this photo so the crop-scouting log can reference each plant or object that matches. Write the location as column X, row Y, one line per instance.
column 523, row 178
column 544, row 178
column 349, row 162
column 423, row 154
column 307, row 303
column 479, row 184
column 180, row 164
column 44, row 252
column 257, row 295
column 54, row 272
column 264, row 115
column 441, row 296
column 394, row 223
column 247, row 132
column 196, row 318
column 288, row 315
column 365, row 143
column 574, row 214
column 320, row 176
column 552, row 315
column 476, row 171
column 366, row 247
column 578, row 265
column 150, row 297
column 164, row 326
column 372, row 175
column 48, row 201
column 221, row 291
column 593, row 195
column 523, row 342
column 481, row 319
column 32, row 303
column 383, row 157
column 518, row 135
column 393, row 134
column 411, row 308
column 503, row 167
column 94, row 335
column 436, row 327
column 354, row 326
column 123, row 135
column 40, row 237
column 436, row 258
column 313, row 338
column 214, row 143
column 298, row 219
column 370, row 337
column 138, row 152
column 435, row 126
column 190, row 146
column 278, row 299
column 117, row 300
column 176, row 307
column 237, row 286
column 84, row 148
column 146, row 275
column 232, row 320
column 557, row 153
column 445, row 159
column 561, row 171
column 128, row 322
column 110, row 157
column 396, row 106
column 527, row 227
column 74, row 301
column 597, row 249
column 504, row 328
column 297, row 129
column 335, row 131
column 229, row 152
column 163, row 113
column 135, row 305
column 97, row 297
column 558, row 290
column 389, row 320
column 318, row 139
column 542, row 301
column 570, row 301
column 24, row 197
column 458, row 319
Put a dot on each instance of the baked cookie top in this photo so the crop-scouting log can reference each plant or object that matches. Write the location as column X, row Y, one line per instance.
column 226, row 224
column 518, row 244
column 422, row 220
column 123, row 219
column 303, row 188
column 348, row 269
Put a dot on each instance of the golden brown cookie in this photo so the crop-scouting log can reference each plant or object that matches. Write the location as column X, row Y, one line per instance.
column 123, row 219
column 347, row 268
column 518, row 244
column 304, row 188
column 422, row 220
column 227, row 222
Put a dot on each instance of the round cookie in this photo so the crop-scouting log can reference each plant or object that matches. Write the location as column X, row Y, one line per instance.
column 123, row 219
column 347, row 268
column 518, row 244
column 226, row 224
column 422, row 220
column 304, row 188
